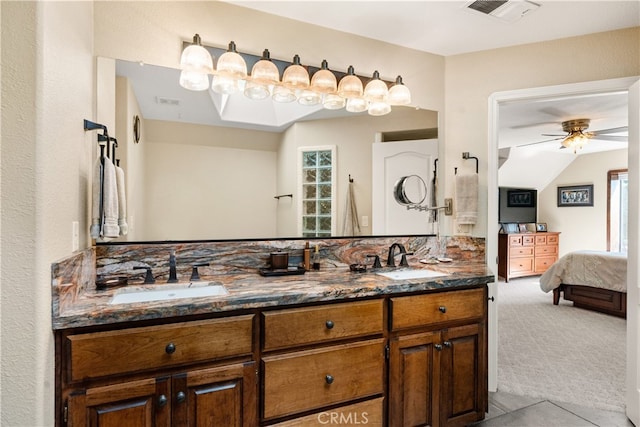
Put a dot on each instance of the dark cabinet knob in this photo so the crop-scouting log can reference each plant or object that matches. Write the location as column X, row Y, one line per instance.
column 329, row 324
column 329, row 379
column 442, row 309
column 447, row 344
column 170, row 348
column 181, row 397
column 162, row 400
column 438, row 347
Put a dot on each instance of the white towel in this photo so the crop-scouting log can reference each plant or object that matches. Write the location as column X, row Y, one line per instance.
column 466, row 199
column 351, row 225
column 122, row 202
column 104, row 217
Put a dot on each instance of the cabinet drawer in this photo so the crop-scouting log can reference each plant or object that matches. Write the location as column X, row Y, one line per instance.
column 521, row 251
column 311, row 379
column 543, row 263
column 419, row 310
column 292, row 327
column 521, row 265
column 546, row 250
column 528, row 240
column 541, row 239
column 369, row 412
column 100, row 354
column 515, row 240
column 553, row 239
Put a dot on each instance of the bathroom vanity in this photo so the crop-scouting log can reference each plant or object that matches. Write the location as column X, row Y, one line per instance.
column 325, row 347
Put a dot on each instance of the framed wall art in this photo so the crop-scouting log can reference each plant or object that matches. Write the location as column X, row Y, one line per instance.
column 575, row 195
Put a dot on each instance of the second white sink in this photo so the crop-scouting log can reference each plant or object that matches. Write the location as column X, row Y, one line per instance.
column 416, row 273
column 167, row 292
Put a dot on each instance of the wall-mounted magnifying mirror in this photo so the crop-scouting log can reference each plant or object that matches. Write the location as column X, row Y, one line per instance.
column 410, row 190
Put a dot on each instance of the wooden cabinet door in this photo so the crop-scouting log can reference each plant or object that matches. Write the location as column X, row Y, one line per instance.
column 413, row 381
column 222, row 396
column 142, row 403
column 463, row 362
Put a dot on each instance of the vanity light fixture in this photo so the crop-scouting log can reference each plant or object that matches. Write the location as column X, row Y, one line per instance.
column 231, row 72
column 264, row 75
column 196, row 64
column 230, row 76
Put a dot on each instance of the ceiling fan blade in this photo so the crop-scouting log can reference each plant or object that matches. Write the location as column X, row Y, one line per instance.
column 553, row 134
column 540, row 142
column 609, row 138
column 612, row 130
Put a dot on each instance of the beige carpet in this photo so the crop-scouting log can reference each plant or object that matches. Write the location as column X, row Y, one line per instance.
column 559, row 352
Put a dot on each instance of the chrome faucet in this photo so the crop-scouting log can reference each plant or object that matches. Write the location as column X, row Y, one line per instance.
column 173, row 277
column 391, row 257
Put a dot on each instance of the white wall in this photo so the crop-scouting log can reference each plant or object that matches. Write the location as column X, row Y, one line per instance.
column 582, row 227
column 47, row 91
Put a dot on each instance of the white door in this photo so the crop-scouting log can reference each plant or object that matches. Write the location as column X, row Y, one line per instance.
column 392, row 161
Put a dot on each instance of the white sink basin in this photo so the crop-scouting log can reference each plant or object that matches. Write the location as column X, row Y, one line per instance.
column 416, row 273
column 167, row 292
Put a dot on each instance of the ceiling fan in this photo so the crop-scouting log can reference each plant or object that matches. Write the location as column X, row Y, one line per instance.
column 576, row 137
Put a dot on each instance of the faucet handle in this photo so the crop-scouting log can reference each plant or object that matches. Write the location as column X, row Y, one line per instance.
column 403, row 260
column 376, row 261
column 148, row 278
column 194, row 271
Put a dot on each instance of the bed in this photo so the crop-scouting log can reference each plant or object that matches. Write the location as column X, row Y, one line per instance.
column 593, row 280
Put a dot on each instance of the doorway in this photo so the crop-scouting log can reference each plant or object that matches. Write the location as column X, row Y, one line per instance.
column 632, row 85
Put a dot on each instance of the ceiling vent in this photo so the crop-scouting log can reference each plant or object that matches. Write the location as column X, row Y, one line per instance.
column 510, row 11
column 167, row 101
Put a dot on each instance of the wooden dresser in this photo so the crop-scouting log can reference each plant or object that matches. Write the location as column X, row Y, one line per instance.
column 526, row 254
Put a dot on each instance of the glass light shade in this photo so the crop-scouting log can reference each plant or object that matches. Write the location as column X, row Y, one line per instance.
column 196, row 58
column 264, row 75
column 350, row 86
column 357, row 105
column 323, row 80
column 232, row 64
column 194, row 80
column 283, row 94
column 333, row 102
column 295, row 75
column 223, row 84
column 256, row 91
column 399, row 94
column 309, row 97
column 575, row 141
column 379, row 108
column 376, row 90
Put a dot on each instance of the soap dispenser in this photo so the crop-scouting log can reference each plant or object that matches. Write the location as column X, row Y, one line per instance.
column 306, row 257
column 316, row 259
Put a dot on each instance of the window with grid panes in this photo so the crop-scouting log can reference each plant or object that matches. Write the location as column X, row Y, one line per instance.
column 317, row 193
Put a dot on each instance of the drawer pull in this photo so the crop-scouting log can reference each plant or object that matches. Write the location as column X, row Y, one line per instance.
column 329, row 324
column 438, row 347
column 329, row 379
column 162, row 400
column 181, row 397
column 170, row 348
column 447, row 344
column 442, row 309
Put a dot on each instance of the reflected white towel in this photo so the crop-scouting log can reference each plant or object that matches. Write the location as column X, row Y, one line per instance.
column 351, row 225
column 122, row 202
column 466, row 199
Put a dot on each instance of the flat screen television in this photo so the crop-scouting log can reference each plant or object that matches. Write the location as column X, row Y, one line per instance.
column 517, row 205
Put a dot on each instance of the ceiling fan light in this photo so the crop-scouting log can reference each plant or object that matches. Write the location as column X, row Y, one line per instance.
column 194, row 80
column 350, row 86
column 376, row 90
column 323, row 80
column 196, row 58
column 399, row 94
column 295, row 76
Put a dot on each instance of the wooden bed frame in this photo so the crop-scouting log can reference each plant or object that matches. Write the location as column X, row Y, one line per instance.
column 590, row 298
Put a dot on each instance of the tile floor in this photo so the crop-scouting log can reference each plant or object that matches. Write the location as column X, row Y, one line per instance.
column 521, row 411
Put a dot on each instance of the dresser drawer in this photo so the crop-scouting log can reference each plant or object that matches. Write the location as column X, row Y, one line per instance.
column 419, row 310
column 311, row 379
column 521, row 251
column 293, row 327
column 515, row 240
column 521, row 265
column 543, row 263
column 100, row 354
column 546, row 251
column 369, row 412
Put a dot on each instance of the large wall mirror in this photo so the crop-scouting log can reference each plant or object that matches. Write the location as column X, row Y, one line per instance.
column 209, row 167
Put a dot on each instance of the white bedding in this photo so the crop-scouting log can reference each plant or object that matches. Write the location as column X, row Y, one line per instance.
column 607, row 270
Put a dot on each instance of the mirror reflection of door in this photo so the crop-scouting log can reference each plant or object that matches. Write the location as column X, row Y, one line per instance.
column 391, row 162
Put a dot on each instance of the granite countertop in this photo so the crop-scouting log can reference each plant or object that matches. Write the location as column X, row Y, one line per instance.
column 249, row 290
